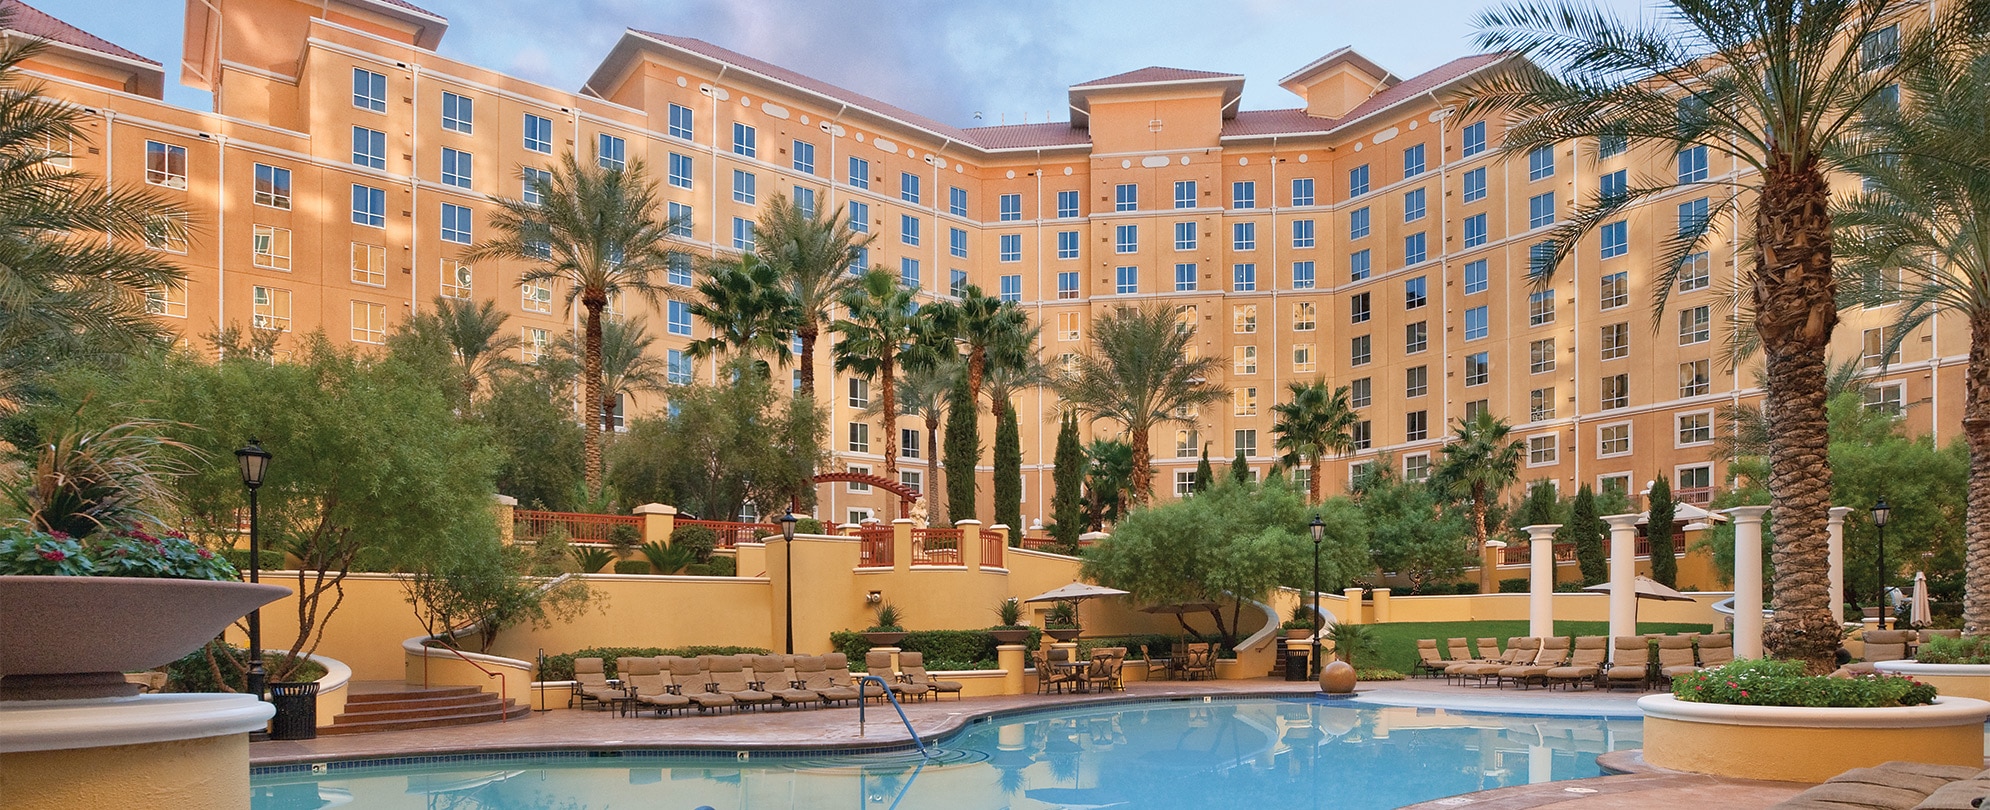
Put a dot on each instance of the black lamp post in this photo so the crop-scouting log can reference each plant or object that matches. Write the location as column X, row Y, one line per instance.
column 1319, row 532
column 788, row 522
column 1881, row 514
column 254, row 461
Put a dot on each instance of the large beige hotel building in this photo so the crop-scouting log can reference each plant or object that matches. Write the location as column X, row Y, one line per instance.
column 1370, row 235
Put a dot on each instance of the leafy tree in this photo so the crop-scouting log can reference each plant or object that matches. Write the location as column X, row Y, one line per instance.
column 537, row 441
column 1409, row 533
column 727, row 444
column 1008, row 471
column 1479, row 463
column 1138, row 373
column 478, row 587
column 472, row 334
column 1240, row 468
column 1774, row 87
column 1108, row 482
column 882, row 320
column 1541, row 508
column 1317, row 420
column 1926, row 485
column 1068, row 475
column 1585, row 530
column 813, row 252
column 1658, row 530
column 1205, row 475
column 963, row 451
column 1013, row 368
column 598, row 233
column 749, row 310
column 985, row 327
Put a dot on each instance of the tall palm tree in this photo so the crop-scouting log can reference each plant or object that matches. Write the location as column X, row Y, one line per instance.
column 1138, row 373
column 985, row 327
column 476, row 337
column 816, row 256
column 1919, row 235
column 1745, row 430
column 882, row 321
column 1480, row 462
column 628, row 367
column 748, row 309
column 1318, row 420
column 923, row 391
column 598, row 233
column 1770, row 85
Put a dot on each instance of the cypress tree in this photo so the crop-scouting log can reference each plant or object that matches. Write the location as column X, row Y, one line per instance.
column 1068, row 504
column 963, row 451
column 1586, row 531
column 1204, row 474
column 1664, row 565
column 1008, row 470
column 1240, row 470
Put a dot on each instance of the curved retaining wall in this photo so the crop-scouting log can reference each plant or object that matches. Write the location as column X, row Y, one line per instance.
column 1792, row 744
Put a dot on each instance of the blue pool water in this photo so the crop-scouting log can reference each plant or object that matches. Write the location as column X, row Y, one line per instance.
column 1260, row 753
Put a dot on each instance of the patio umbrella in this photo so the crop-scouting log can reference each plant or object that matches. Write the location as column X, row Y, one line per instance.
column 1074, row 593
column 1918, row 614
column 1646, row 588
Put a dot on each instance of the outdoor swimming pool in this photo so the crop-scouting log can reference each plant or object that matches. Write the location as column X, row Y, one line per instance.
column 1259, row 753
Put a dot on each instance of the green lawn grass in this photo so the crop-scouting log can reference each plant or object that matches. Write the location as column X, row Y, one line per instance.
column 1396, row 642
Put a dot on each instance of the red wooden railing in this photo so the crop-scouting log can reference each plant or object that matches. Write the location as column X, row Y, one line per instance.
column 533, row 524
column 1697, row 496
column 936, row 547
column 1678, row 545
column 732, row 533
column 1522, row 553
column 874, row 548
column 993, row 543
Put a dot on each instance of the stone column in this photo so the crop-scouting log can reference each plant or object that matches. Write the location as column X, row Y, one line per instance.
column 1489, row 559
column 1353, row 606
column 1623, row 574
column 1012, row 658
column 1382, row 606
column 1747, row 580
column 506, row 508
column 970, row 543
column 901, row 547
column 1835, row 530
column 658, row 522
column 1541, row 579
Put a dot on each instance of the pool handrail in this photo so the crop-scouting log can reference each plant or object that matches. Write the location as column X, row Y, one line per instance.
column 885, row 688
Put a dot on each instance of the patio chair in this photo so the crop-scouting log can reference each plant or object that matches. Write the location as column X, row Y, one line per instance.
column 1675, row 657
column 1457, row 649
column 1716, row 649
column 879, row 664
column 912, row 667
column 1201, row 661
column 694, row 681
column 1886, row 645
column 1050, row 677
column 1427, row 659
column 836, row 684
column 1554, row 653
column 651, row 688
column 729, row 678
column 1118, row 665
column 1630, row 662
column 1585, row 663
column 591, row 682
column 1098, row 674
column 1152, row 664
column 1518, row 651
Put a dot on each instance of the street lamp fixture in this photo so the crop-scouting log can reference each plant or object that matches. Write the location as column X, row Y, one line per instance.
column 1881, row 514
column 788, row 522
column 1319, row 528
column 254, row 461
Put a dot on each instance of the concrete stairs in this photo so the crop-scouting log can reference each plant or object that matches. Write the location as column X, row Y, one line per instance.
column 416, row 707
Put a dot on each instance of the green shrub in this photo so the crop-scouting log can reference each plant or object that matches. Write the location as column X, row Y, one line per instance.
column 723, row 566
column 561, row 667
column 698, row 570
column 1574, row 586
column 668, row 559
column 1771, row 682
column 944, row 649
column 631, row 567
column 699, row 540
column 1513, row 585
column 625, row 537
column 272, row 560
column 1377, row 675
column 591, row 560
column 808, row 525
column 889, row 619
column 1944, row 650
column 194, row 673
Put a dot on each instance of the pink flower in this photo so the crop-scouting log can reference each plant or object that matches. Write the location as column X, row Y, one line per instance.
column 204, row 553
column 177, row 535
column 1744, row 693
column 54, row 555
column 59, row 535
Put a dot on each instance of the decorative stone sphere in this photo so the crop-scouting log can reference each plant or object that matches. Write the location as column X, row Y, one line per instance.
column 1337, row 678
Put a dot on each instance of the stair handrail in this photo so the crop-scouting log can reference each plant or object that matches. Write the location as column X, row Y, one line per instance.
column 886, row 691
column 420, row 645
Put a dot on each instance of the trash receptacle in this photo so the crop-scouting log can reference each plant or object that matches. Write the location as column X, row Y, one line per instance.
column 296, row 711
column 1296, row 668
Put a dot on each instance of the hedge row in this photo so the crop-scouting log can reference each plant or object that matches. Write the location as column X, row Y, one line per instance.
column 561, row 667
column 1770, row 682
column 944, row 649
column 718, row 566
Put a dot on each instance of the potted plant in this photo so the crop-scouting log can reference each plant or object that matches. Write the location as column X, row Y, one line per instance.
column 1300, row 626
column 1061, row 623
column 1011, row 630
column 889, row 629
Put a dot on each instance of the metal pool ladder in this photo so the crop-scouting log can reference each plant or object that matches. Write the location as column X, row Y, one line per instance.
column 885, row 688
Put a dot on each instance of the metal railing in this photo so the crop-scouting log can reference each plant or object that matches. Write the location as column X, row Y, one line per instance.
column 1522, row 553
column 1678, row 546
column 993, row 543
column 874, row 548
column 1697, row 496
column 885, row 690
column 533, row 524
column 732, row 533
column 936, row 547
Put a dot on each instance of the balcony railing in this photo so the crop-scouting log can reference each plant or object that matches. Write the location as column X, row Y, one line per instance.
column 1697, row 496
column 874, row 547
column 533, row 525
column 1678, row 545
column 993, row 543
column 936, row 547
column 732, row 533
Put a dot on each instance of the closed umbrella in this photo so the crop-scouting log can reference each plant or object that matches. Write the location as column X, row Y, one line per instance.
column 1918, row 614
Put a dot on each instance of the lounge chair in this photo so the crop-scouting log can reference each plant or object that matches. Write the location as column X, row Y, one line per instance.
column 912, row 667
column 1458, row 649
column 1918, row 785
column 878, row 664
column 836, row 684
column 729, row 678
column 1630, row 662
column 1554, row 653
column 1675, row 657
column 1585, row 663
column 1488, row 649
column 1427, row 659
column 1518, row 651
column 1716, row 649
column 694, row 681
column 1886, row 645
column 646, row 682
column 591, row 683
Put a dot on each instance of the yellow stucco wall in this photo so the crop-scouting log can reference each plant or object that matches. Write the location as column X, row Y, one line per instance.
column 207, row 773
column 1766, row 752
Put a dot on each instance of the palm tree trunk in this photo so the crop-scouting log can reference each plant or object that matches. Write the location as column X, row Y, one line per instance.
column 808, row 335
column 886, row 371
column 594, row 302
column 1478, row 516
column 1976, row 427
column 607, row 412
column 932, row 468
column 977, row 364
column 1143, row 467
column 1313, row 484
column 1795, row 311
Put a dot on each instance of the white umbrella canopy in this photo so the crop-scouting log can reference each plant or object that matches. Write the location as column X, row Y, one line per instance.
column 1075, row 592
column 1646, row 588
column 1918, row 614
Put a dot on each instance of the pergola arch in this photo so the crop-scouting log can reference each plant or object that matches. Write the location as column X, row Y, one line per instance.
column 906, row 495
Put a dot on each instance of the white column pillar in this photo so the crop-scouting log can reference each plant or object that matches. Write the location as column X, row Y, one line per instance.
column 1541, row 580
column 1623, row 574
column 1835, row 530
column 1748, row 580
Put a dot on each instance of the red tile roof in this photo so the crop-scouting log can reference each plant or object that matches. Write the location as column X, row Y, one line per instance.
column 412, row 7
column 38, row 24
column 1297, row 122
column 1027, row 136
column 1274, row 122
column 1151, row 74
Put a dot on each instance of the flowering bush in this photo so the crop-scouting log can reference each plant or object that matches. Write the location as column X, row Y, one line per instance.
column 124, row 553
column 1771, row 682
column 1941, row 650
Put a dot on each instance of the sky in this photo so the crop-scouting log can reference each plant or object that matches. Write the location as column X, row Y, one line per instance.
column 1006, row 61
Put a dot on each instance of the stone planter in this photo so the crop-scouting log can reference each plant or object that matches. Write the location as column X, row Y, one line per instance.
column 1954, row 680
column 1756, row 742
column 73, row 637
column 1063, row 633
column 884, row 638
column 1298, row 635
column 1010, row 635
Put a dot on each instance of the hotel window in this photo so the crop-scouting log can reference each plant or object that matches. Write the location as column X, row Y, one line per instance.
column 745, row 140
column 1695, row 428
column 270, row 308
column 1540, row 163
column 1541, row 450
column 1416, row 337
column 742, row 233
column 1302, row 191
column 272, row 187
column 369, row 206
column 1304, row 316
column 456, row 168
column 1415, row 293
column 677, row 268
column 167, row 233
column 860, row 392
column 531, row 181
column 1185, row 276
column 1616, row 391
column 539, row 133
column 1358, row 308
column 1414, row 249
column 908, row 271
column 1876, row 347
column 1416, row 381
column 1185, row 194
column 1880, row 49
column 534, row 296
column 1126, row 280
column 1184, row 483
column 957, row 242
column 1610, row 146
column 860, row 172
column 1243, row 236
column 1244, row 194
column 1185, row 321
column 1244, row 319
column 369, row 322
column 677, row 367
column 456, row 280
column 1302, row 275
column 1416, row 426
column 680, row 170
column 1185, row 236
column 1613, row 440
column 369, row 148
column 1126, row 239
column 1302, row 233
column 1475, row 138
column 1414, row 205
column 1010, row 288
column 1244, row 277
column 1069, row 326
column 804, row 157
column 610, row 151
column 1478, row 369
column 1303, row 361
column 1541, row 356
column 1358, row 351
column 1009, row 247
column 679, row 219
column 680, row 121
column 1413, row 164
column 1692, row 164
column 908, row 187
column 1614, row 290
column 1475, row 277
column 270, row 247
column 1357, row 180
column 957, row 284
column 744, row 187
column 458, row 113
column 860, row 438
column 1540, row 307
column 1244, row 401
column 805, row 201
column 1541, row 210
column 1186, row 444
column 1475, row 407
column 1247, row 442
column 1693, row 217
column 1616, row 341
column 1477, row 323
column 1067, row 204
column 1067, row 284
column 1541, row 404
column 957, row 201
column 1244, row 360
column 1360, row 392
column 1616, row 239
column 908, row 229
column 1363, row 434
column 860, row 217
column 1886, row 398
column 167, row 302
column 1067, row 245
column 1613, row 186
column 1126, row 197
column 1475, row 184
column 1695, row 378
column 678, row 317
column 455, row 224
column 1695, row 272
column 369, row 264
column 1009, row 207
column 369, row 90
column 1475, row 230
column 1695, row 325
column 1357, row 223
